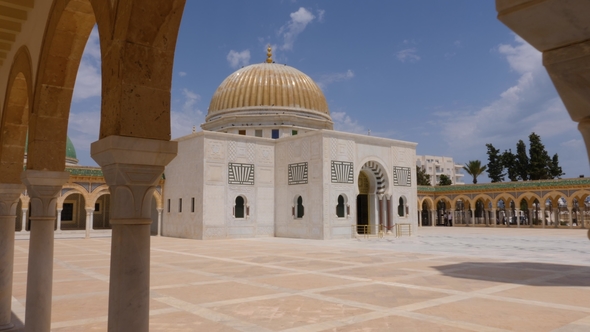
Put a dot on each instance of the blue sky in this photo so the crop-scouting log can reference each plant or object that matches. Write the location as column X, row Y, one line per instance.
column 445, row 74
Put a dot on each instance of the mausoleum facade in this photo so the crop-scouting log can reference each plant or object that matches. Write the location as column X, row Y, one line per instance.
column 268, row 163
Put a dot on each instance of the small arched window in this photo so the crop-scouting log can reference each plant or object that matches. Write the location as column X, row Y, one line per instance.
column 299, row 208
column 341, row 207
column 239, row 207
column 401, row 209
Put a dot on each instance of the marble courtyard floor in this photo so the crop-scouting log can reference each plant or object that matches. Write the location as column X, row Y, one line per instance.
column 443, row 279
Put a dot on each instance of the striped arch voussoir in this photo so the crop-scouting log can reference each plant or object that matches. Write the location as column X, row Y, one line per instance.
column 376, row 169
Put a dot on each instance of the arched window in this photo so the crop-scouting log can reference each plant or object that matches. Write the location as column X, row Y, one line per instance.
column 341, row 207
column 401, row 208
column 239, row 207
column 299, row 208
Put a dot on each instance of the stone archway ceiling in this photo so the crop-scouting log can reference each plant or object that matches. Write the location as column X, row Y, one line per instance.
column 13, row 13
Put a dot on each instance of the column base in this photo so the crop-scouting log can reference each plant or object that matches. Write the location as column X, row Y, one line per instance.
column 6, row 327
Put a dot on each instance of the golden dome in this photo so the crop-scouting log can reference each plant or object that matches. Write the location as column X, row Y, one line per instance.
column 271, row 87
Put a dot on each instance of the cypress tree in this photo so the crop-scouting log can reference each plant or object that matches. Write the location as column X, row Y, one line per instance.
column 539, row 162
column 509, row 162
column 495, row 168
column 555, row 170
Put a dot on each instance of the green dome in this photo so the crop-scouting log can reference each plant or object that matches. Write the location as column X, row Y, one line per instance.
column 71, row 157
column 70, row 150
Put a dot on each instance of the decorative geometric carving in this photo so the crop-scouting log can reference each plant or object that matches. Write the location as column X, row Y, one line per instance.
column 251, row 151
column 265, row 155
column 215, row 150
column 342, row 172
column 84, row 185
column 298, row 173
column 333, row 148
column 232, row 150
column 305, row 150
column 93, row 186
column 402, row 176
column 350, row 146
column 240, row 173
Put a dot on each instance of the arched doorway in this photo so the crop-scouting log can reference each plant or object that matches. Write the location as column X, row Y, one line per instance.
column 371, row 201
column 73, row 213
column 362, row 204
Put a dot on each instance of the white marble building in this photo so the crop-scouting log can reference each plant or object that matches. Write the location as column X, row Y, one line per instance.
column 269, row 164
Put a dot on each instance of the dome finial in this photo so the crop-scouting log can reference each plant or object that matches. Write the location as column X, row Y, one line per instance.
column 269, row 54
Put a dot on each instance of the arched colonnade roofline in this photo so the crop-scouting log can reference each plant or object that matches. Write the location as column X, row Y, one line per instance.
column 542, row 191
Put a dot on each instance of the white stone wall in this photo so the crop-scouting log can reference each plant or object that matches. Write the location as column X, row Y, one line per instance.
column 219, row 200
column 184, row 177
column 299, row 149
column 201, row 171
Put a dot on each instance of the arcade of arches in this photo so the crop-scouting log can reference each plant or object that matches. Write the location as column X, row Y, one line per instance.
column 563, row 203
column 41, row 49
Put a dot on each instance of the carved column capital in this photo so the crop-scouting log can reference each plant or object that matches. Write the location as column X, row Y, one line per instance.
column 43, row 188
column 132, row 168
column 9, row 196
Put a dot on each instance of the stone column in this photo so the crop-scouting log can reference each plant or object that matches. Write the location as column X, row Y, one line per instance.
column 9, row 196
column 419, row 218
column 25, row 219
column 59, row 220
column 160, row 210
column 380, row 205
column 432, row 218
column 43, row 188
column 556, row 212
column 132, row 168
column 571, row 218
column 89, row 221
column 517, row 213
column 389, row 209
column 494, row 217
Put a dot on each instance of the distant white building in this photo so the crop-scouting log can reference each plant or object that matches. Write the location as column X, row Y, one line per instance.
column 435, row 166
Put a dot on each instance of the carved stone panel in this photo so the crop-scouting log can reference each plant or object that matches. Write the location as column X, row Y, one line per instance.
column 342, row 172
column 402, row 176
column 240, row 173
column 298, row 173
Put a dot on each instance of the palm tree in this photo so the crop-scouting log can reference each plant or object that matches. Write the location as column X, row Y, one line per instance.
column 474, row 168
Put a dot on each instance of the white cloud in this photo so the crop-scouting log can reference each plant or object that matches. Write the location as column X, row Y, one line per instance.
column 408, row 54
column 88, row 82
column 237, row 59
column 574, row 144
column 343, row 122
column 530, row 105
column 299, row 21
column 187, row 115
column 321, row 14
column 328, row 79
column 182, row 74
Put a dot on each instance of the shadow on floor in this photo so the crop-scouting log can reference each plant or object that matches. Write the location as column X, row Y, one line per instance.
column 526, row 273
